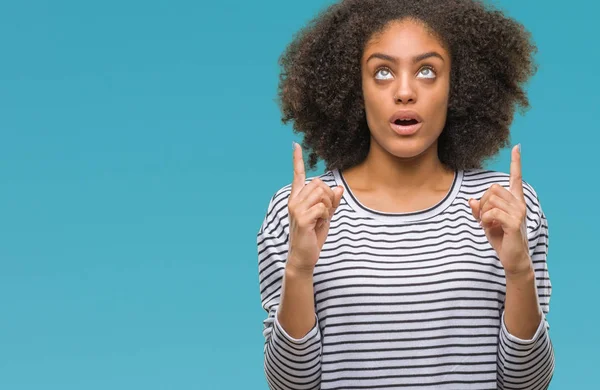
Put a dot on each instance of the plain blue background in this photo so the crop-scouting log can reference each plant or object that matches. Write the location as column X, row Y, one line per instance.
column 141, row 143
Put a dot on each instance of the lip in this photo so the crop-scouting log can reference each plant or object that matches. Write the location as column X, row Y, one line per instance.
column 406, row 130
column 405, row 114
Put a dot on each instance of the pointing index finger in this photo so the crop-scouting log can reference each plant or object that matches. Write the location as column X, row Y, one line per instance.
column 299, row 172
column 516, row 176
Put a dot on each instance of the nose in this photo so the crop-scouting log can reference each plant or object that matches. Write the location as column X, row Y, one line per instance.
column 405, row 92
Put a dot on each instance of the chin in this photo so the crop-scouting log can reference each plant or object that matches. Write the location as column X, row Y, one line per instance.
column 407, row 154
column 405, row 148
column 410, row 147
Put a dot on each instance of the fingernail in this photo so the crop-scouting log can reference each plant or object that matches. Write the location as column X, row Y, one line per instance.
column 293, row 145
column 519, row 147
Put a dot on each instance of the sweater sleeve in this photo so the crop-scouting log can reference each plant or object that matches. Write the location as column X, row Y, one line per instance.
column 529, row 364
column 289, row 363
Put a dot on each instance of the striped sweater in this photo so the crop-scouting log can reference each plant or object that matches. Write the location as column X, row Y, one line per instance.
column 405, row 300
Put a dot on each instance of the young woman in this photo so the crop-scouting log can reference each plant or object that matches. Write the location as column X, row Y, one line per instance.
column 406, row 264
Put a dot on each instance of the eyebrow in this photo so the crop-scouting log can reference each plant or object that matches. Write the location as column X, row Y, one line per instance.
column 415, row 59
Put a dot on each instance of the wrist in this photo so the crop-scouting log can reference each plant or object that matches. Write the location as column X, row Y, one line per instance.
column 518, row 269
column 523, row 274
column 294, row 270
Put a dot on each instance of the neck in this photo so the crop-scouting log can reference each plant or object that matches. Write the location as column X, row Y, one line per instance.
column 401, row 176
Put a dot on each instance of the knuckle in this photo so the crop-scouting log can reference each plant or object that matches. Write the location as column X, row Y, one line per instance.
column 523, row 209
column 300, row 222
column 301, row 218
column 291, row 204
column 292, row 212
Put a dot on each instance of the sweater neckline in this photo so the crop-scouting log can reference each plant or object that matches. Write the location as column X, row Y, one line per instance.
column 412, row 216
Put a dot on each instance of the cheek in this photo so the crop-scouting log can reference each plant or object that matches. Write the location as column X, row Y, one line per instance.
column 439, row 102
column 369, row 93
column 442, row 91
column 372, row 102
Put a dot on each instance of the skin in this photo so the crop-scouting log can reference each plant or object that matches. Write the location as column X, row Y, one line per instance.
column 403, row 173
column 310, row 208
column 502, row 214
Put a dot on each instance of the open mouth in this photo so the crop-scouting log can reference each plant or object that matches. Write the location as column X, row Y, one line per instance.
column 406, row 122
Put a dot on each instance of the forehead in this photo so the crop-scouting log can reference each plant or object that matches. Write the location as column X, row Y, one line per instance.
column 405, row 39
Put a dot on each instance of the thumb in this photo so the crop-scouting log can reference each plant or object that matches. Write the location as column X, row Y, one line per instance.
column 337, row 196
column 474, row 204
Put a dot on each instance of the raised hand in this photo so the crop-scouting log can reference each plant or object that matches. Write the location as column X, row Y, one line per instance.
column 310, row 208
column 502, row 214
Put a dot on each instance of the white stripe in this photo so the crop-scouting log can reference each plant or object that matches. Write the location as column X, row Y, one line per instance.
column 411, row 300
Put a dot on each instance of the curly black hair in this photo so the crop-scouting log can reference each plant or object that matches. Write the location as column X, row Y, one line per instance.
column 320, row 80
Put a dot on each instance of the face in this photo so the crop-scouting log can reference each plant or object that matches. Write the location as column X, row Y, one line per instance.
column 405, row 68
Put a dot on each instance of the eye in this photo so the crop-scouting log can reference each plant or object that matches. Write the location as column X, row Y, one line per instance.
column 427, row 72
column 383, row 71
